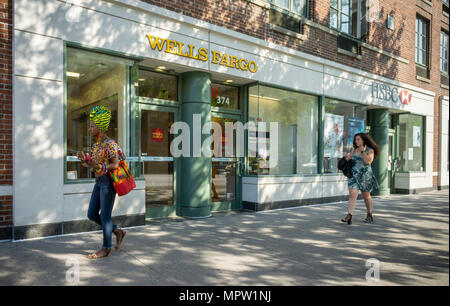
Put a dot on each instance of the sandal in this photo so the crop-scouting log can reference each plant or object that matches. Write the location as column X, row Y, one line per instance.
column 100, row 254
column 119, row 237
column 368, row 219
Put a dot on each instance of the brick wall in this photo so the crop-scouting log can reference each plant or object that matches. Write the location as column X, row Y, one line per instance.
column 252, row 19
column 6, row 150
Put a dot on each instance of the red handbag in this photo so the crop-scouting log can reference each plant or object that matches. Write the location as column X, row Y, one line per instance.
column 122, row 178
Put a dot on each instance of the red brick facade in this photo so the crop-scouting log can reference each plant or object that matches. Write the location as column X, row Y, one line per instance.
column 252, row 18
column 6, row 106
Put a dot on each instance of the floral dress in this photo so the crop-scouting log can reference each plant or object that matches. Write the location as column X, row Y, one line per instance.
column 363, row 178
column 102, row 153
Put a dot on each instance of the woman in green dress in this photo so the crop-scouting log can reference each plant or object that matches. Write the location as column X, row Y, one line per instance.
column 364, row 152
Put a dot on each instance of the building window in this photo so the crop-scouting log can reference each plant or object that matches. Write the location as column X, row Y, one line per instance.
column 342, row 122
column 349, row 16
column 157, row 85
column 297, row 118
column 411, row 143
column 444, row 53
column 445, row 6
column 92, row 79
column 224, row 96
column 422, row 34
column 296, row 6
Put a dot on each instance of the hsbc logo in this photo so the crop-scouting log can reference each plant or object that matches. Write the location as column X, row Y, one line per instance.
column 405, row 97
column 390, row 93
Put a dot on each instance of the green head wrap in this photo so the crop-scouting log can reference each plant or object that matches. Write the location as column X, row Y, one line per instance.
column 101, row 117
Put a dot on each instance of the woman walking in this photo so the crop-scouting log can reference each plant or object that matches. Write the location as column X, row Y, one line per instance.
column 103, row 158
column 364, row 152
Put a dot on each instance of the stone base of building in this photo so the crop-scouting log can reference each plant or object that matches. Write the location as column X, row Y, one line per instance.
column 415, row 191
column 293, row 203
column 443, row 187
column 63, row 228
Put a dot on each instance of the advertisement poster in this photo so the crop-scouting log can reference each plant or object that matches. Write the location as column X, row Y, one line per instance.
column 334, row 136
column 416, row 136
column 355, row 126
column 157, row 135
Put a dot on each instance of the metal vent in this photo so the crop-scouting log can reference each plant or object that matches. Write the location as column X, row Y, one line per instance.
column 285, row 21
column 348, row 44
column 444, row 79
column 422, row 72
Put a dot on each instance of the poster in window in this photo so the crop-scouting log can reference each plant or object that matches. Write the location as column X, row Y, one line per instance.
column 416, row 136
column 157, row 135
column 333, row 136
column 354, row 126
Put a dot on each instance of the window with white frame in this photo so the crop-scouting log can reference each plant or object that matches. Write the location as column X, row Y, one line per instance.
column 349, row 16
column 444, row 53
column 421, row 45
column 296, row 6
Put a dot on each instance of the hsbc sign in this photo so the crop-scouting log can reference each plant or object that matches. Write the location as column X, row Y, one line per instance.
column 390, row 93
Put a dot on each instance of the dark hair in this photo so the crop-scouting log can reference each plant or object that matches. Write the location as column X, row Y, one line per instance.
column 367, row 141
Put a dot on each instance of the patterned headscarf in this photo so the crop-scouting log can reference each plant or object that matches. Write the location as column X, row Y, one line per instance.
column 101, row 117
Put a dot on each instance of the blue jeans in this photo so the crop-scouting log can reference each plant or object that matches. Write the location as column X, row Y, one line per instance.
column 102, row 198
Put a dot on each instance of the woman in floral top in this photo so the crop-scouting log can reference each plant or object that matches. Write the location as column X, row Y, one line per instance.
column 103, row 158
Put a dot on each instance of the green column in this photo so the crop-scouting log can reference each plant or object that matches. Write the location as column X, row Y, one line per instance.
column 196, row 169
column 379, row 131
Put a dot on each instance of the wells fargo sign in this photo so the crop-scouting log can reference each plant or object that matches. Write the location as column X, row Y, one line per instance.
column 202, row 54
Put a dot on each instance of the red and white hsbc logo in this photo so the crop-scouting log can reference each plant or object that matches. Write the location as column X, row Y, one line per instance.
column 405, row 97
column 388, row 93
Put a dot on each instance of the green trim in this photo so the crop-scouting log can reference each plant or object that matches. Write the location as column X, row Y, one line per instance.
column 65, row 112
column 163, row 211
column 276, row 86
column 159, row 102
column 320, row 143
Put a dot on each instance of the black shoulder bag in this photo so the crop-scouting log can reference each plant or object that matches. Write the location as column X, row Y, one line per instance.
column 346, row 167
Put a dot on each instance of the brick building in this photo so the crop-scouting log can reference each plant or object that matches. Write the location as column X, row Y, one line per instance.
column 322, row 69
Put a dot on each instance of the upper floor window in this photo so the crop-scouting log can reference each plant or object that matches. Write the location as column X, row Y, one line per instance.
column 349, row 16
column 444, row 53
column 421, row 45
column 296, row 6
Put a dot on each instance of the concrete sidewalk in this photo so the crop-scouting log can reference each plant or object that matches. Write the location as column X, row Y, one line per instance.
column 308, row 245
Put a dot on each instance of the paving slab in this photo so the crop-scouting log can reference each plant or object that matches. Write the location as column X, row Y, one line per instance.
column 308, row 245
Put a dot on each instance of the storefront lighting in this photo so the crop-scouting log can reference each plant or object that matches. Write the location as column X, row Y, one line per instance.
column 161, row 67
column 229, row 81
column 73, row 74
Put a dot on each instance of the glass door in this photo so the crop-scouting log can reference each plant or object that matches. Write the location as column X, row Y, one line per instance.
column 393, row 158
column 226, row 166
column 157, row 166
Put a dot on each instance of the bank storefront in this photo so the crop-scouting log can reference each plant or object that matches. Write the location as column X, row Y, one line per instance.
column 164, row 75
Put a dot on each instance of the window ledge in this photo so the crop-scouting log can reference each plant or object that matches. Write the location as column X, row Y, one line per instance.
column 428, row 2
column 348, row 53
column 445, row 86
column 287, row 32
column 423, row 79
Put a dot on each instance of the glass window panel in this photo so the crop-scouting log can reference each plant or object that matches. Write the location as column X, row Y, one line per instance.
column 297, row 118
column 93, row 79
column 342, row 122
column 298, row 6
column 334, row 19
column 334, row 4
column 345, row 6
column 224, row 96
column 411, row 142
column 282, row 3
column 157, row 85
column 345, row 25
